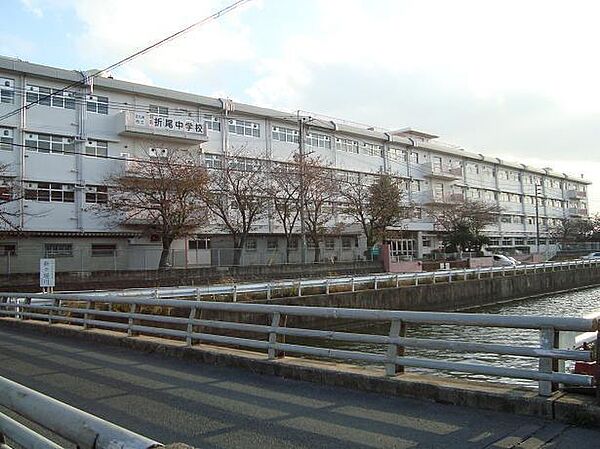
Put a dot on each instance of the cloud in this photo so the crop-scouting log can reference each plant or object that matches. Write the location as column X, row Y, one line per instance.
column 30, row 5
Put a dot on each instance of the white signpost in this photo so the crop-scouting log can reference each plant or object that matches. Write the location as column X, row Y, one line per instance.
column 47, row 274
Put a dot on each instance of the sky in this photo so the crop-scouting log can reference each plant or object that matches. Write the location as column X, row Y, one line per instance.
column 509, row 79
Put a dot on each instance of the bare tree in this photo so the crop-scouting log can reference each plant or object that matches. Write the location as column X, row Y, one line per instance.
column 160, row 194
column 11, row 192
column 572, row 230
column 463, row 222
column 320, row 193
column 283, row 187
column 376, row 206
column 236, row 197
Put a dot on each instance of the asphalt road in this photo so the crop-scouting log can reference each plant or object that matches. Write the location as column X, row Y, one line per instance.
column 205, row 406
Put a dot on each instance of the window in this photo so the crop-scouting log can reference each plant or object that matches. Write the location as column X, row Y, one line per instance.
column 46, row 143
column 52, row 250
column 8, row 249
column 160, row 110
column 199, row 244
column 347, row 145
column 244, row 128
column 98, row 148
column 293, row 245
column 494, row 241
column 272, row 244
column 46, row 96
column 398, row 154
column 415, row 185
column 50, row 192
column 505, row 219
column 318, row 140
column 96, row 104
column 6, row 139
column 414, row 157
column 285, row 134
column 7, row 90
column 251, row 245
column 96, row 194
column 212, row 122
column 212, row 160
column 104, row 249
column 310, row 244
column 531, row 241
column 371, row 149
column 507, row 241
column 330, row 244
column 426, row 241
column 346, row 243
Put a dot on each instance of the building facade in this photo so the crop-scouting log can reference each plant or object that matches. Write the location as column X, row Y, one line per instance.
column 63, row 149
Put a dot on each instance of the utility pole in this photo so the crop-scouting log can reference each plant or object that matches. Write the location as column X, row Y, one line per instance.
column 538, row 189
column 302, row 188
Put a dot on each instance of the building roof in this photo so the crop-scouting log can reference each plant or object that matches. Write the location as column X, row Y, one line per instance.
column 401, row 136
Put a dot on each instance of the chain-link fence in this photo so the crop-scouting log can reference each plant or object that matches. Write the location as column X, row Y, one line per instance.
column 74, row 259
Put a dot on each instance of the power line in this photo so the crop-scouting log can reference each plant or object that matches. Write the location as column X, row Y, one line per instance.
column 143, row 51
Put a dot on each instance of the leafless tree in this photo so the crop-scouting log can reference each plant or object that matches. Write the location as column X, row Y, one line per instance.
column 11, row 192
column 237, row 197
column 161, row 193
column 320, row 191
column 283, row 187
column 376, row 206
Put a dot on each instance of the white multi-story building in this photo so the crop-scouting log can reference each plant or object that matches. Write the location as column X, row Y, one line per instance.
column 64, row 148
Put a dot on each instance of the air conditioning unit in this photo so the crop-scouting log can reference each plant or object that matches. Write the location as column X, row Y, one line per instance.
column 162, row 152
column 124, row 155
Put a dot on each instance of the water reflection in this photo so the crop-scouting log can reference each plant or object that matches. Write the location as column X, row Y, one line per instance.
column 566, row 304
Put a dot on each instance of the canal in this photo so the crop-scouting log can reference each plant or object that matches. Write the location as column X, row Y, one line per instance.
column 572, row 304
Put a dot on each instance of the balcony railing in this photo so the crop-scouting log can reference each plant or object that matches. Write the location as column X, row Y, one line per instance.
column 578, row 212
column 180, row 129
column 576, row 194
column 449, row 198
column 441, row 172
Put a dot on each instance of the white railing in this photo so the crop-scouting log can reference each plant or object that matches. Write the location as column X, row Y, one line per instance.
column 298, row 287
column 76, row 426
column 188, row 323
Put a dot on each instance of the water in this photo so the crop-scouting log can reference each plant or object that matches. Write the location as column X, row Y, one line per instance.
column 573, row 304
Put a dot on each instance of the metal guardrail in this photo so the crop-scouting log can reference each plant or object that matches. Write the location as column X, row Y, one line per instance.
column 76, row 426
column 141, row 320
column 352, row 283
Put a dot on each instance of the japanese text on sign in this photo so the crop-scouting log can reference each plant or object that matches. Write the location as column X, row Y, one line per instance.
column 47, row 272
column 189, row 126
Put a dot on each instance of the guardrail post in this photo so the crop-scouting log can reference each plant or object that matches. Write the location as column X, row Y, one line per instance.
column 190, row 326
column 504, row 271
column 397, row 329
column 55, row 303
column 397, row 280
column 352, row 284
column 327, row 287
column 478, row 272
column 465, row 275
column 234, row 293
column 546, row 364
column 433, row 278
column 515, row 270
column 271, row 353
column 268, row 291
column 491, row 272
column 450, row 278
column 88, row 316
column 375, row 283
column 132, row 309
column 300, row 287
column 24, row 309
column 416, row 278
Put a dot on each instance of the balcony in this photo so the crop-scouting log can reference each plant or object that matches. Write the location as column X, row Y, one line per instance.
column 176, row 129
column 576, row 195
column 441, row 172
column 451, row 198
column 577, row 212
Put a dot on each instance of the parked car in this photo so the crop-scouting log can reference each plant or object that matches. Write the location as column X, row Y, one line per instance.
column 500, row 260
column 591, row 256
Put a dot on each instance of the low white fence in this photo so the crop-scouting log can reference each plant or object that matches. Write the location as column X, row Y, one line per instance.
column 142, row 318
column 350, row 283
column 76, row 426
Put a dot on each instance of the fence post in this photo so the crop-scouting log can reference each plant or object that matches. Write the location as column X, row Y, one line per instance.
column 465, row 275
column 190, row 326
column 397, row 280
column 132, row 308
column 449, row 277
column 55, row 303
column 235, row 293
column 300, row 287
column 268, row 291
column 88, row 316
column 397, row 329
column 375, row 283
column 327, row 287
column 272, row 352
column 416, row 278
column 478, row 272
column 491, row 272
column 433, row 278
column 547, row 341
column 353, row 284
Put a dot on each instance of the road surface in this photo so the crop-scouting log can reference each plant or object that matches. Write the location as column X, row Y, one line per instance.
column 212, row 407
